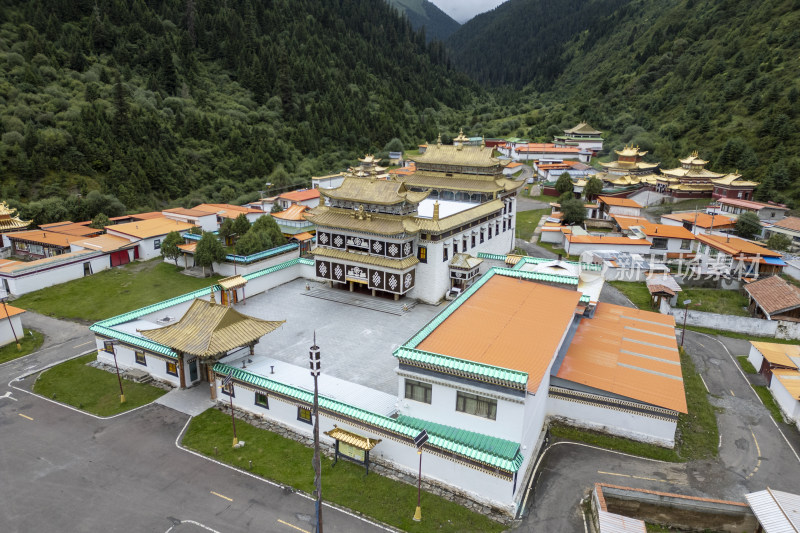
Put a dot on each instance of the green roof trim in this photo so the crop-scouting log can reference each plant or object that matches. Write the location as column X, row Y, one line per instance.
column 536, row 260
column 133, row 340
column 453, row 365
column 496, row 257
column 501, row 447
column 468, row 444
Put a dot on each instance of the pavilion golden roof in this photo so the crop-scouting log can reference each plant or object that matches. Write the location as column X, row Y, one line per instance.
column 208, row 329
column 461, row 182
column 377, row 223
column 630, row 151
column 353, row 439
column 691, row 173
column 693, row 160
column 733, row 179
column 461, row 155
column 583, row 128
column 9, row 219
column 374, row 260
column 373, row 191
column 232, row 282
column 465, row 261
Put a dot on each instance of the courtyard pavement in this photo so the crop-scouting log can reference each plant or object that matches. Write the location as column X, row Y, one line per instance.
column 356, row 343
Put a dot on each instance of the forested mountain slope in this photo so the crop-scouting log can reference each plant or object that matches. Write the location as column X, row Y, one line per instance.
column 158, row 100
column 718, row 76
column 437, row 23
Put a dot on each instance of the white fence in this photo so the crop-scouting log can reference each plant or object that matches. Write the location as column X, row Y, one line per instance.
column 780, row 329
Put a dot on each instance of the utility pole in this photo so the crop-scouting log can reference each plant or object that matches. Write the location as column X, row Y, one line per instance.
column 11, row 324
column 314, row 363
column 110, row 347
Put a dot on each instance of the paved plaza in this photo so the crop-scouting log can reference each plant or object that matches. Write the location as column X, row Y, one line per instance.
column 356, row 343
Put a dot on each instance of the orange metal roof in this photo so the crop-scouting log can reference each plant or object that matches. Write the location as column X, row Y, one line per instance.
column 626, row 222
column 153, row 227
column 546, row 148
column 629, row 352
column 225, row 210
column 778, row 354
column 78, row 229
column 790, row 379
column 300, row 196
column 506, row 323
column 665, row 230
column 188, row 212
column 7, row 311
column 514, row 164
column 596, row 239
column 143, row 216
column 48, row 237
column 293, row 212
column 621, row 202
column 735, row 246
column 749, row 204
column 303, row 236
column 188, row 247
column 704, row 220
column 103, row 243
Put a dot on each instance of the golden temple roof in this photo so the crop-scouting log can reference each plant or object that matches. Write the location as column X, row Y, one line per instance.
column 698, row 187
column 370, row 159
column 629, row 165
column 369, row 191
column 9, row 219
column 459, row 219
column 733, row 179
column 691, row 173
column 630, row 151
column 231, row 282
column 583, row 128
column 208, row 329
column 465, row 261
column 693, row 160
column 377, row 223
column 353, row 439
column 461, row 155
column 461, row 182
column 374, row 260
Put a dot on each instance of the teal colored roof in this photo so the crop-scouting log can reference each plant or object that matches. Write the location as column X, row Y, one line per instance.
column 452, row 365
column 501, row 447
column 133, row 340
column 262, row 255
column 468, row 444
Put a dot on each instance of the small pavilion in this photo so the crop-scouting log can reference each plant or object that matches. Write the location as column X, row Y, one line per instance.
column 9, row 221
column 206, row 333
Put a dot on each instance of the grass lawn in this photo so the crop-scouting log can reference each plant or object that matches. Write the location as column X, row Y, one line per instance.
column 91, row 389
column 29, row 343
column 769, row 402
column 289, row 462
column 747, row 366
column 697, row 435
column 636, row 291
column 527, row 222
column 724, row 302
column 112, row 292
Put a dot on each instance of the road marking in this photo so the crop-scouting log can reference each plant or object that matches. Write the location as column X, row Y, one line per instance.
column 732, row 394
column 756, row 441
column 221, row 496
column 640, row 477
column 25, row 416
column 292, row 526
column 758, row 450
column 84, row 344
column 720, row 441
column 8, row 395
column 704, row 383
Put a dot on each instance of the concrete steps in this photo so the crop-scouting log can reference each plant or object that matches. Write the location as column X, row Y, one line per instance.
column 362, row 300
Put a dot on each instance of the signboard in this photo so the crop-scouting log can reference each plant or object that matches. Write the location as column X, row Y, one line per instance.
column 351, row 452
column 108, row 346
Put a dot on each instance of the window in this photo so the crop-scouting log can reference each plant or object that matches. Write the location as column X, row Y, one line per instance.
column 490, row 232
column 444, row 253
column 228, row 390
column 261, row 400
column 659, row 243
column 422, row 254
column 418, row 391
column 140, row 358
column 481, row 236
column 455, row 247
column 304, row 415
column 156, row 244
column 473, row 241
column 686, row 244
column 172, row 368
column 87, row 269
column 476, row 405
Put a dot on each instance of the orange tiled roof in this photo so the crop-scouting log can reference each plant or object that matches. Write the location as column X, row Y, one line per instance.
column 790, row 223
column 505, row 324
column 226, row 210
column 188, row 247
column 626, row 222
column 594, row 239
column 620, row 202
column 301, row 195
column 143, row 216
column 7, row 311
column 293, row 212
column 774, row 294
column 547, row 148
column 628, row 352
column 188, row 212
column 103, row 243
column 303, row 236
column 749, row 204
column 704, row 220
column 48, row 237
column 790, row 379
column 78, row 229
column 153, row 227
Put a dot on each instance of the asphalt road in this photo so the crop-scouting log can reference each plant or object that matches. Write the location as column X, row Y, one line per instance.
column 66, row 471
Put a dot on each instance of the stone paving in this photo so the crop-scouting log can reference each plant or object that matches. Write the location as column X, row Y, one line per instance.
column 192, row 401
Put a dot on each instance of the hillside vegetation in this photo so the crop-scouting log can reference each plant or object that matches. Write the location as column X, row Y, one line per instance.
column 421, row 13
column 672, row 76
column 183, row 101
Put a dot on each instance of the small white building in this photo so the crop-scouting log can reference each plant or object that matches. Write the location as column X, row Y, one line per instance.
column 765, row 212
column 148, row 234
column 306, row 197
column 330, row 181
column 785, row 388
column 666, row 241
column 611, row 205
column 206, row 220
column 10, row 324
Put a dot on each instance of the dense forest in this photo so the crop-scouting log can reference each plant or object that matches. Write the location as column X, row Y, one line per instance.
column 163, row 102
column 422, row 14
column 717, row 76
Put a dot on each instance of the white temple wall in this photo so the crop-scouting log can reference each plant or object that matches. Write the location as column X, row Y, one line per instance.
column 55, row 275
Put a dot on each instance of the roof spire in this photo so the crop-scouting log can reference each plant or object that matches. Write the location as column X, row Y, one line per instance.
column 439, row 139
column 213, row 299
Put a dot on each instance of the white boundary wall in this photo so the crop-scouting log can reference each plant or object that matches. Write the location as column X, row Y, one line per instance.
column 55, row 275
column 780, row 329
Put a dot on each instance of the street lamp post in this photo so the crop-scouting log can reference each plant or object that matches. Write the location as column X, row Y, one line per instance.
column 110, row 347
column 686, row 314
column 11, row 324
column 314, row 363
column 419, row 441
column 228, row 381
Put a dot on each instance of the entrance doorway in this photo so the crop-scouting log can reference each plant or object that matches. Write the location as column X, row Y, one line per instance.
column 193, row 370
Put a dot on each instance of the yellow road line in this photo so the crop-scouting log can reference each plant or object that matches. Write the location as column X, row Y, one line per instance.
column 732, row 394
column 84, row 344
column 293, row 526
column 756, row 441
column 637, row 477
column 758, row 450
column 221, row 496
column 25, row 416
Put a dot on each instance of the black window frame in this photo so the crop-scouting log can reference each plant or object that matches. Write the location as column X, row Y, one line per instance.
column 175, row 364
column 136, row 354
column 156, row 244
column 427, row 387
column 467, row 396
column 301, row 409
column 258, row 396
column 228, row 390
